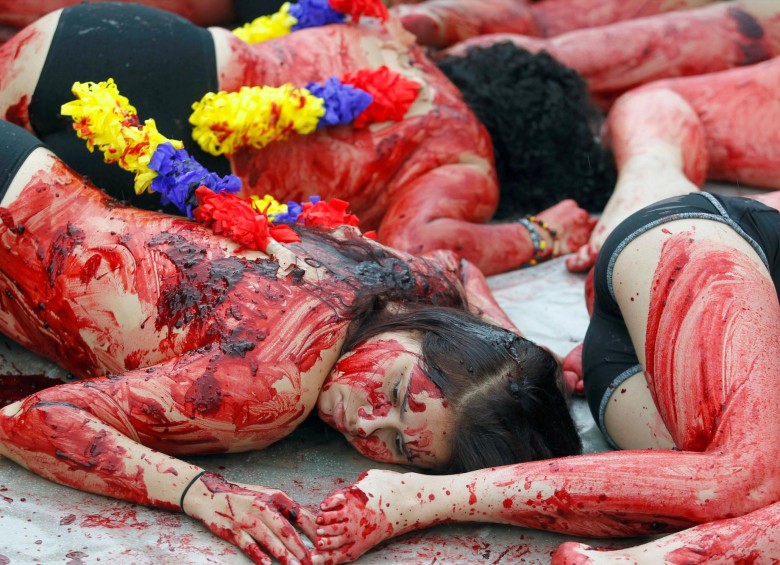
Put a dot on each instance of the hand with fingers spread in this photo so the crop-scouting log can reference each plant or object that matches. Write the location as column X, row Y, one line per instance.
column 354, row 519
column 259, row 520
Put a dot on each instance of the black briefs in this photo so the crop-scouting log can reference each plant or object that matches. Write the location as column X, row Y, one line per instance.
column 248, row 10
column 15, row 145
column 608, row 356
column 160, row 61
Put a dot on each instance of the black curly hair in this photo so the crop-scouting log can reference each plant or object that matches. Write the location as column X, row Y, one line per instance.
column 543, row 126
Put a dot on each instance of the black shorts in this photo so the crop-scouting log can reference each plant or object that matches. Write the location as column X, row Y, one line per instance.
column 608, row 356
column 160, row 61
column 15, row 145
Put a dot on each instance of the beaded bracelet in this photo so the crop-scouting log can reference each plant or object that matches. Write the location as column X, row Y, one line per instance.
column 542, row 251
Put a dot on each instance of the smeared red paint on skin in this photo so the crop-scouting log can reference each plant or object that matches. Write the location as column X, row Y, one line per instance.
column 419, row 384
column 374, row 448
column 472, row 495
column 382, row 171
column 16, row 387
column 18, row 114
column 208, row 346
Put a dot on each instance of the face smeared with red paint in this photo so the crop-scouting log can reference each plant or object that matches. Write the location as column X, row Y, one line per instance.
column 385, row 406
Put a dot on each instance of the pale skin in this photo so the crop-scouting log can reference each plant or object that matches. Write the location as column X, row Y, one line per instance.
column 706, row 449
column 424, row 183
column 715, row 126
column 440, row 23
column 723, row 466
column 621, row 56
column 185, row 382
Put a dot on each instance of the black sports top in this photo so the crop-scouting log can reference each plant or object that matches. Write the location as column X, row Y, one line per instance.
column 608, row 356
column 15, row 145
column 160, row 61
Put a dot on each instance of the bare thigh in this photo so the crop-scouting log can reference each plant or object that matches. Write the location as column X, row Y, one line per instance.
column 21, row 62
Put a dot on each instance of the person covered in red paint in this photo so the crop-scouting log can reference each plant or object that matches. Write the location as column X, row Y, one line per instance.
column 426, row 182
column 679, row 361
column 441, row 23
column 210, row 347
column 721, row 59
column 621, row 56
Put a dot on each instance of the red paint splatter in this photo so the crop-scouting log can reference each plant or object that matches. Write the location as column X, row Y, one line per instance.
column 18, row 114
column 16, row 387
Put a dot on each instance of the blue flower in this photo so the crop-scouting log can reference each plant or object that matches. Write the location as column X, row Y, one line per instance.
column 314, row 13
column 343, row 102
column 178, row 175
column 293, row 211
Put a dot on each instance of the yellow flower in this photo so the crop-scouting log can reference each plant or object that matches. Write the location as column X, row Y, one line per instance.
column 268, row 205
column 107, row 120
column 267, row 27
column 253, row 117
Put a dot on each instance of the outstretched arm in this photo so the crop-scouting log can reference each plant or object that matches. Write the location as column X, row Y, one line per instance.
column 447, row 209
column 91, row 436
column 601, row 495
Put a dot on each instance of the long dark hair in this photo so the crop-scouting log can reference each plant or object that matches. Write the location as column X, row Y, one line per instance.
column 542, row 124
column 505, row 391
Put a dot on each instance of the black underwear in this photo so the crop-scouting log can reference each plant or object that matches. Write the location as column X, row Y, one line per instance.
column 160, row 61
column 15, row 145
column 248, row 10
column 608, row 356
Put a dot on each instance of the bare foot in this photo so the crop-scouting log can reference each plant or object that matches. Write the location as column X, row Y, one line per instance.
column 354, row 519
column 572, row 224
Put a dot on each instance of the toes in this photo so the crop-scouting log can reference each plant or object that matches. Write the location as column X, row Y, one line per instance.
column 333, row 502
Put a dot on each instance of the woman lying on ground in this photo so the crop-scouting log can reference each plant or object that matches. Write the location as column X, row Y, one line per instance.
column 680, row 366
column 735, row 108
column 211, row 348
column 425, row 182
column 441, row 23
column 618, row 57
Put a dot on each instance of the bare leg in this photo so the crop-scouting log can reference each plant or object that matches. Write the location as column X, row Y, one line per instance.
column 618, row 57
column 439, row 23
column 659, row 147
column 752, row 538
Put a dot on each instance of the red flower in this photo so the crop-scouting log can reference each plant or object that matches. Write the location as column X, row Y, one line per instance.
column 233, row 217
column 393, row 94
column 327, row 215
column 358, row 8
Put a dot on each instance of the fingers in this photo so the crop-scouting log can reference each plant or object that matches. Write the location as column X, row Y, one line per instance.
column 307, row 522
column 280, row 538
column 333, row 502
column 333, row 542
column 249, row 546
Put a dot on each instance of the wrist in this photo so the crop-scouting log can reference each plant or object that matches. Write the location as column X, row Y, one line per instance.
column 543, row 239
column 191, row 493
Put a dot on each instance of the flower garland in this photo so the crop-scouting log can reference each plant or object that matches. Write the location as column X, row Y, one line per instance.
column 225, row 122
column 309, row 13
column 106, row 120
